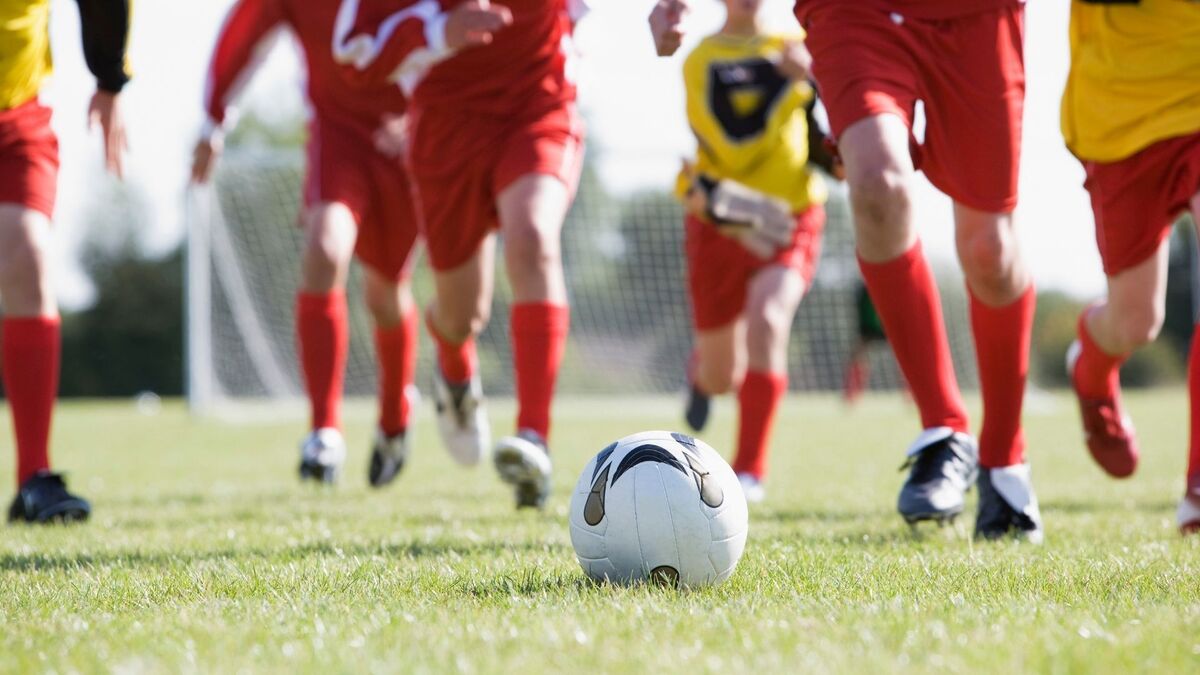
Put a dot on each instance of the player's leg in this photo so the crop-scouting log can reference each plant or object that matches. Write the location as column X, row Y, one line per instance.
column 773, row 295
column 459, row 312
column 1109, row 331
column 879, row 171
column 394, row 313
column 1188, row 515
column 323, row 333
column 1002, row 301
column 30, row 362
column 532, row 209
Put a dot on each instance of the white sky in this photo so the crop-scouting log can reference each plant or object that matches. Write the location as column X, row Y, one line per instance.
column 633, row 101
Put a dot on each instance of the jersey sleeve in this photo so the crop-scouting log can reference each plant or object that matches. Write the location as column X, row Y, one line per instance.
column 105, row 28
column 379, row 42
column 240, row 45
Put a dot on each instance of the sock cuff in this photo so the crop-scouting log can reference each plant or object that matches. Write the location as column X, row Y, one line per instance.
column 20, row 323
column 1024, row 303
column 777, row 382
column 332, row 303
column 1089, row 343
column 914, row 256
column 540, row 316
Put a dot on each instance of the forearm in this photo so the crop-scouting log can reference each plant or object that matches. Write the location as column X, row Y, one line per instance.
column 241, row 44
column 105, row 27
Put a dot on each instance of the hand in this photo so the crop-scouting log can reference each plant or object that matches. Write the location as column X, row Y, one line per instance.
column 105, row 110
column 666, row 25
column 204, row 157
column 761, row 223
column 391, row 138
column 474, row 23
column 795, row 63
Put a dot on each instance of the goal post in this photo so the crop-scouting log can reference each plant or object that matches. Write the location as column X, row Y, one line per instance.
column 623, row 254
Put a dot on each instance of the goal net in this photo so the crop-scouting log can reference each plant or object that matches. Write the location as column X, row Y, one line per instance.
column 630, row 321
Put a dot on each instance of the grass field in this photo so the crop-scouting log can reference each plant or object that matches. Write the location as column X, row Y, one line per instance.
column 206, row 555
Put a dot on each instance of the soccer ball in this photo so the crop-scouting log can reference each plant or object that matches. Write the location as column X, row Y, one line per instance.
column 658, row 506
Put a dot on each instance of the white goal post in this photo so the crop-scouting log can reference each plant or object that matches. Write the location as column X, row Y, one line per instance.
column 630, row 321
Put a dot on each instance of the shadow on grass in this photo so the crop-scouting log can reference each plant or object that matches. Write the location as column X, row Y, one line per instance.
column 30, row 562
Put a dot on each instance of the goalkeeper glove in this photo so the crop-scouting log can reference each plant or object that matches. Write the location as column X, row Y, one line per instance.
column 759, row 222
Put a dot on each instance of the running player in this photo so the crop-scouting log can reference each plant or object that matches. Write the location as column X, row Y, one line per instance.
column 869, row 331
column 754, row 222
column 357, row 203
column 496, row 145
column 31, row 339
column 873, row 60
column 1131, row 114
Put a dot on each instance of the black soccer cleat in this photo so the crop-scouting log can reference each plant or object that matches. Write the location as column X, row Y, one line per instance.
column 1007, row 505
column 43, row 498
column 699, row 404
column 388, row 454
column 944, row 464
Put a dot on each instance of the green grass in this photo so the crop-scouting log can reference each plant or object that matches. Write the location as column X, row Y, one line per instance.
column 205, row 555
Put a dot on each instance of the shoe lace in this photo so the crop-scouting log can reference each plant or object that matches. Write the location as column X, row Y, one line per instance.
column 927, row 464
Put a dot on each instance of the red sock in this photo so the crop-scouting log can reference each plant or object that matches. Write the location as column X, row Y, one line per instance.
column 906, row 298
column 1097, row 373
column 396, row 350
column 32, row 348
column 1002, row 337
column 1194, row 394
column 456, row 361
column 324, row 334
column 856, row 380
column 758, row 400
column 539, row 338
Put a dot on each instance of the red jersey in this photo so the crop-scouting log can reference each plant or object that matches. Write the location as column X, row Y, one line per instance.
column 243, row 39
column 917, row 9
column 524, row 68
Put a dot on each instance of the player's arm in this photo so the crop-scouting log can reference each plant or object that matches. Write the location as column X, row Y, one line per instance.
column 666, row 24
column 384, row 41
column 241, row 44
column 105, row 28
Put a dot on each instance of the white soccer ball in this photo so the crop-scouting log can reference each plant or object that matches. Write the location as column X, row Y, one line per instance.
column 658, row 506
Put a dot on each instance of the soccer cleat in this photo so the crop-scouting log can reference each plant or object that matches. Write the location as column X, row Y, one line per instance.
column 322, row 454
column 524, row 462
column 387, row 457
column 43, row 498
column 1111, row 438
column 462, row 418
column 1007, row 505
column 698, row 406
column 943, row 465
column 752, row 488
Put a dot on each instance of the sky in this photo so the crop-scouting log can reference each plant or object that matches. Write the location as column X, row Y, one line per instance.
column 632, row 100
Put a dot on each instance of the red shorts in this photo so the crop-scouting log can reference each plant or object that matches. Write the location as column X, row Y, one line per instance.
column 28, row 157
column 969, row 71
column 720, row 269
column 1137, row 199
column 462, row 162
column 345, row 167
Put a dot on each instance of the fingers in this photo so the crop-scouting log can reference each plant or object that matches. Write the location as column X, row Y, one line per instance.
column 475, row 24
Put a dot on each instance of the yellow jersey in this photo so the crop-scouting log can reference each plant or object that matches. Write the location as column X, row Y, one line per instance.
column 1135, row 76
column 749, row 120
column 25, row 46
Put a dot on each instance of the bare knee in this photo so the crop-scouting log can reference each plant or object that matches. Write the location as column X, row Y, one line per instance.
column 25, row 285
column 533, row 257
column 329, row 238
column 461, row 324
column 718, row 378
column 387, row 300
column 1135, row 327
